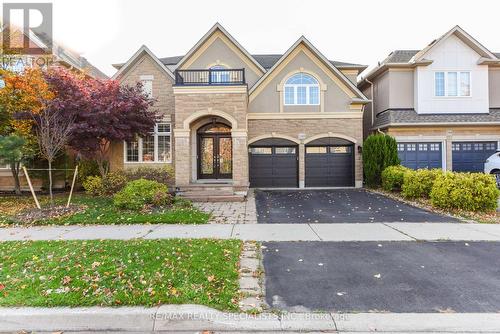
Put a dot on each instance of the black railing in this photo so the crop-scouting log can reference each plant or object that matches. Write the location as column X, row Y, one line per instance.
column 210, row 77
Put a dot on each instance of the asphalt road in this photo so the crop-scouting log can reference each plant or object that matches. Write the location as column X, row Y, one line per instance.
column 336, row 206
column 383, row 276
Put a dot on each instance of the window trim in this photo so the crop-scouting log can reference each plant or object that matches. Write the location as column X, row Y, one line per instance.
column 295, row 87
column 155, row 134
column 458, row 86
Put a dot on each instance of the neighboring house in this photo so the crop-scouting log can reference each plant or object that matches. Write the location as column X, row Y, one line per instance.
column 232, row 119
column 441, row 103
column 18, row 62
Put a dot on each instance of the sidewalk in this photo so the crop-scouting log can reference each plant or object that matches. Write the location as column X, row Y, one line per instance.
column 264, row 232
column 200, row 318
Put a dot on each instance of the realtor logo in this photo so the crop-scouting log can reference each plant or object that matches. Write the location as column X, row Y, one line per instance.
column 23, row 32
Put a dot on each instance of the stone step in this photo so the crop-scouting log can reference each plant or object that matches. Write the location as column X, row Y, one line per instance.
column 215, row 198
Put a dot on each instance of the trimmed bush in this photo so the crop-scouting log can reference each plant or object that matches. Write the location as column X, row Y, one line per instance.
column 418, row 183
column 379, row 152
column 392, row 177
column 160, row 174
column 116, row 180
column 93, row 185
column 465, row 191
column 136, row 194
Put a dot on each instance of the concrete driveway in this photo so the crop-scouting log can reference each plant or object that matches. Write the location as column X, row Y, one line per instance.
column 336, row 206
column 383, row 276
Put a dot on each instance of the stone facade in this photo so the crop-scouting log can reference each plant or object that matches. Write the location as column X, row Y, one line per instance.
column 348, row 128
column 192, row 107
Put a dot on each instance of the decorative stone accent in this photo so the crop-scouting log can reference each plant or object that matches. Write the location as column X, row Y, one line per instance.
column 251, row 278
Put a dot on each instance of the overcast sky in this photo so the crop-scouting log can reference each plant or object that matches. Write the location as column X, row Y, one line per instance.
column 110, row 31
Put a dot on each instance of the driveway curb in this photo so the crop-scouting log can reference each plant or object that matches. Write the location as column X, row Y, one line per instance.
column 198, row 318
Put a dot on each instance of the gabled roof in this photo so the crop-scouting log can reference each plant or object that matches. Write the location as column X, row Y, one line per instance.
column 464, row 37
column 218, row 27
column 142, row 50
column 412, row 58
column 302, row 40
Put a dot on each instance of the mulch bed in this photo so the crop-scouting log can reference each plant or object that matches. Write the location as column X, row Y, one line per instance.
column 54, row 212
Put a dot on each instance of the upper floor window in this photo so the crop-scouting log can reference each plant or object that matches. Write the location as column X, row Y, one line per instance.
column 219, row 74
column 452, row 84
column 301, row 89
column 156, row 147
column 147, row 84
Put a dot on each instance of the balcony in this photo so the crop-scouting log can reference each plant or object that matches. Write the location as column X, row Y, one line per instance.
column 210, row 77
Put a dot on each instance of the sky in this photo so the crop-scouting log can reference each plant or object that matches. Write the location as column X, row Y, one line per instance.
column 110, row 31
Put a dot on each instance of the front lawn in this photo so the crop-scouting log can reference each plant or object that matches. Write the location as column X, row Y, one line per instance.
column 100, row 210
column 118, row 273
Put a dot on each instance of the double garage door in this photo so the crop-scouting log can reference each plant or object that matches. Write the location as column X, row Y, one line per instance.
column 329, row 162
column 466, row 156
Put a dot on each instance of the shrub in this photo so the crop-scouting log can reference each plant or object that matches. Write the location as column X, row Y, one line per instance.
column 392, row 177
column 136, row 194
column 161, row 175
column 87, row 168
column 465, row 191
column 418, row 183
column 93, row 185
column 379, row 152
column 114, row 182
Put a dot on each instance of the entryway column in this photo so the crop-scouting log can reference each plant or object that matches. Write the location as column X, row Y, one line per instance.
column 240, row 157
column 302, row 165
column 182, row 157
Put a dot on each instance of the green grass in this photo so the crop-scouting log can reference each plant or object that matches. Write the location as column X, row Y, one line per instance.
column 100, row 210
column 116, row 272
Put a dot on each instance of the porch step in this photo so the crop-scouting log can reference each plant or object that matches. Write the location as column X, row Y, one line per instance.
column 211, row 193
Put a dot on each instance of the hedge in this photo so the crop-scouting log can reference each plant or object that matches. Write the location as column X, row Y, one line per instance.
column 392, row 177
column 419, row 183
column 465, row 191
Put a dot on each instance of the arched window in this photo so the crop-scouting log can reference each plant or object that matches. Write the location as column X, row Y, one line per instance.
column 301, row 89
column 219, row 74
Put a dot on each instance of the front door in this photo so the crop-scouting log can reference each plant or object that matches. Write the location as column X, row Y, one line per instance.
column 215, row 155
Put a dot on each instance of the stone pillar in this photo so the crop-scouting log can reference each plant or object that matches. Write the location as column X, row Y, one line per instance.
column 302, row 165
column 182, row 157
column 240, row 158
column 448, row 148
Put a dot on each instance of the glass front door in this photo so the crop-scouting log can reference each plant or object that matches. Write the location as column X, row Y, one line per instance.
column 215, row 156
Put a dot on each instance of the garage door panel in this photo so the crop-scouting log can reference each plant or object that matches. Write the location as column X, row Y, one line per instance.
column 470, row 156
column 329, row 167
column 273, row 166
column 416, row 155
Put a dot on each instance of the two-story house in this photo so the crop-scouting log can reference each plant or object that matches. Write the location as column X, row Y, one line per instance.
column 441, row 103
column 231, row 119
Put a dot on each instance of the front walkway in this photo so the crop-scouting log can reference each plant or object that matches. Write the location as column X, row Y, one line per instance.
column 231, row 212
column 264, row 232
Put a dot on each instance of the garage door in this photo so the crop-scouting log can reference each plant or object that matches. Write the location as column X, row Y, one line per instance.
column 329, row 163
column 273, row 163
column 470, row 156
column 420, row 155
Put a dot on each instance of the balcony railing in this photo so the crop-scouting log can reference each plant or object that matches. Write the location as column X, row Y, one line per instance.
column 210, row 77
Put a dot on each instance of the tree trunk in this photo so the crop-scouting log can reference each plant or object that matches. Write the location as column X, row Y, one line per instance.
column 14, row 168
column 50, row 184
